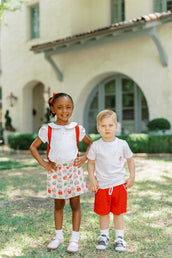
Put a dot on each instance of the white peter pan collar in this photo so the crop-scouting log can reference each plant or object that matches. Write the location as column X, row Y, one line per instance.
column 69, row 126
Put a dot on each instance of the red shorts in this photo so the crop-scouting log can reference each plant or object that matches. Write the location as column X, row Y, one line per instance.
column 113, row 199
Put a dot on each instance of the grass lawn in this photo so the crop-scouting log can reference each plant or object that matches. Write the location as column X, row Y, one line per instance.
column 27, row 223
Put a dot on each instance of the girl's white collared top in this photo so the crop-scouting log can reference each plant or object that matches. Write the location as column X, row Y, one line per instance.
column 63, row 146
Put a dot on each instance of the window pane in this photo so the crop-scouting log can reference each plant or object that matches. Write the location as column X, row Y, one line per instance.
column 110, row 102
column 128, row 114
column 34, row 21
column 169, row 5
column 110, row 87
column 118, row 10
column 128, row 100
column 158, row 5
column 94, row 103
column 127, row 85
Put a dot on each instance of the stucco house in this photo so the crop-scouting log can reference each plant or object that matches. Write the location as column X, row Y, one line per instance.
column 105, row 53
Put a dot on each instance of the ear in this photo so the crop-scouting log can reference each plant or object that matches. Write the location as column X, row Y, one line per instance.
column 98, row 128
column 52, row 109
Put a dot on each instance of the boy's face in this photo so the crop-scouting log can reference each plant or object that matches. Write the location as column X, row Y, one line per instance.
column 107, row 129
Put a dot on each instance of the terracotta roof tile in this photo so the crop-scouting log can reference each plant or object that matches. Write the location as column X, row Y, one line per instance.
column 113, row 27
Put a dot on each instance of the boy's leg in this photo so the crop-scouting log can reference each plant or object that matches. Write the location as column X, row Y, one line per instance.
column 104, row 221
column 76, row 221
column 118, row 221
column 58, row 218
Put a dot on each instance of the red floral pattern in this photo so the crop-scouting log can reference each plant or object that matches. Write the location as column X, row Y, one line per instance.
column 68, row 181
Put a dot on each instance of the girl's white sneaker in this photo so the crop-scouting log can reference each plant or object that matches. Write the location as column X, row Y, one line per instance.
column 55, row 243
column 73, row 246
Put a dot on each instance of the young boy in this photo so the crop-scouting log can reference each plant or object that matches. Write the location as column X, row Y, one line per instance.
column 107, row 155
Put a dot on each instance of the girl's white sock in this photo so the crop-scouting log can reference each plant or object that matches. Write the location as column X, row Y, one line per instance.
column 75, row 235
column 119, row 233
column 59, row 233
column 104, row 232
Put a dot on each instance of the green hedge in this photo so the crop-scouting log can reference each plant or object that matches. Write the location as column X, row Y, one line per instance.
column 139, row 143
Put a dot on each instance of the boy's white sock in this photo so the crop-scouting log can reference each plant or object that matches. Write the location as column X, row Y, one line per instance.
column 75, row 235
column 59, row 233
column 119, row 233
column 104, row 232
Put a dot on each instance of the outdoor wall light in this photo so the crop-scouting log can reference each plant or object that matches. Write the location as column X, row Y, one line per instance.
column 12, row 99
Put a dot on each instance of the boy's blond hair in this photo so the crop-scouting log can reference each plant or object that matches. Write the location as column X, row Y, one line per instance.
column 106, row 113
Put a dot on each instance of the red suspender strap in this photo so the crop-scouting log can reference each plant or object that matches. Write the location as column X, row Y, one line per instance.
column 77, row 136
column 49, row 140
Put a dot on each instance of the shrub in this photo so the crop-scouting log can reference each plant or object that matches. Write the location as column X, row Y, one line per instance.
column 139, row 143
column 159, row 124
column 18, row 141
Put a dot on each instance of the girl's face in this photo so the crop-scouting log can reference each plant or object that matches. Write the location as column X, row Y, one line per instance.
column 63, row 108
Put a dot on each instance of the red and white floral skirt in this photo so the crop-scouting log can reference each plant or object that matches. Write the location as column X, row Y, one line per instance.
column 68, row 181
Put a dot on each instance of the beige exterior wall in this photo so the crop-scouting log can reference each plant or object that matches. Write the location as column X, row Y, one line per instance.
column 82, row 69
column 135, row 8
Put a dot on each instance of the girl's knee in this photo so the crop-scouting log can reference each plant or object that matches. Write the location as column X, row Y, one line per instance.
column 59, row 204
column 75, row 203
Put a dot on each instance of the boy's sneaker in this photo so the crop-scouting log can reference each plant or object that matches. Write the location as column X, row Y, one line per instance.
column 55, row 243
column 120, row 244
column 103, row 242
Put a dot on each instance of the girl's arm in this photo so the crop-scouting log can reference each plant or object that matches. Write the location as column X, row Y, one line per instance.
column 34, row 150
column 93, row 182
column 131, row 166
column 81, row 160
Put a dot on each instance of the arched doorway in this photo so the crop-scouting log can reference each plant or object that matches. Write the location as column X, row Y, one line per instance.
column 33, row 107
column 38, row 110
column 123, row 95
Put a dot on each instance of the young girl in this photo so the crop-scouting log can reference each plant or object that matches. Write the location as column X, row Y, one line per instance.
column 65, row 179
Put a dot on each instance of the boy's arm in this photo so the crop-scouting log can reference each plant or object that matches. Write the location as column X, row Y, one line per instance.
column 131, row 166
column 81, row 160
column 93, row 182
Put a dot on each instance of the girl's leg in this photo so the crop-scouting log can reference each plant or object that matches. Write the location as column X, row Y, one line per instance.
column 76, row 212
column 76, row 220
column 58, row 213
column 58, row 218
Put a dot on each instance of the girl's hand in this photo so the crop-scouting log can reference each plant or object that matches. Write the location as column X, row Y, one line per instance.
column 50, row 166
column 80, row 161
column 94, row 185
column 129, row 182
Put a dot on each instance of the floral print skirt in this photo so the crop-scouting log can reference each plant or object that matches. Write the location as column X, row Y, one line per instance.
column 68, row 181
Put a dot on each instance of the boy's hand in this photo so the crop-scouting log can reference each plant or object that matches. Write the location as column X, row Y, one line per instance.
column 129, row 182
column 50, row 166
column 94, row 185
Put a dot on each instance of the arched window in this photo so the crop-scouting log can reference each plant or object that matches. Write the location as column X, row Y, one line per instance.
column 122, row 95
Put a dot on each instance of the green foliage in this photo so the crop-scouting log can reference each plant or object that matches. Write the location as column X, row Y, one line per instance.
column 139, row 143
column 23, row 141
column 47, row 116
column 9, row 5
column 159, row 124
column 8, row 121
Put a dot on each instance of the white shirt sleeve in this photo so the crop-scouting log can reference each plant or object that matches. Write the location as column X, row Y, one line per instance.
column 82, row 132
column 43, row 133
column 127, row 151
column 92, row 152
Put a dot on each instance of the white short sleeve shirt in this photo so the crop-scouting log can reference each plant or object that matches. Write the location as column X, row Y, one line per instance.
column 63, row 145
column 109, row 161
